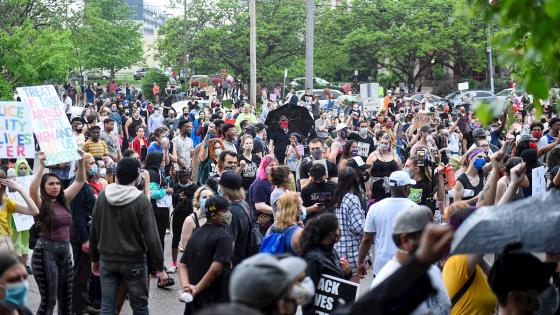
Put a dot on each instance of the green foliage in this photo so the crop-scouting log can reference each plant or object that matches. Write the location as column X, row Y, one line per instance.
column 152, row 76
column 108, row 39
column 6, row 91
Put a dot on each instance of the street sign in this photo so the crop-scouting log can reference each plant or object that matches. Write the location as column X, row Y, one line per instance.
column 369, row 93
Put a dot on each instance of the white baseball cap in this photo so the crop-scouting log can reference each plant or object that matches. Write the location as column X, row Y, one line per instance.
column 341, row 126
column 400, row 178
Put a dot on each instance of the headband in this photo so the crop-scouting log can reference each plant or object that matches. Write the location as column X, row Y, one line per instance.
column 476, row 152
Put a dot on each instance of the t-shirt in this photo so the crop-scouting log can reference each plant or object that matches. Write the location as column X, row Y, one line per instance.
column 260, row 191
column 305, row 166
column 250, row 170
column 479, row 298
column 365, row 146
column 319, row 193
column 62, row 220
column 420, row 191
column 436, row 304
column 8, row 207
column 281, row 141
column 274, row 196
column 154, row 147
column 97, row 149
column 240, row 230
column 379, row 220
column 208, row 244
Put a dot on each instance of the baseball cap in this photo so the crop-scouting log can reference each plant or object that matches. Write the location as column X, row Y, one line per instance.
column 413, row 219
column 215, row 204
column 261, row 279
column 527, row 137
column 341, row 126
column 519, row 272
column 260, row 126
column 231, row 180
column 358, row 163
column 479, row 133
column 400, row 178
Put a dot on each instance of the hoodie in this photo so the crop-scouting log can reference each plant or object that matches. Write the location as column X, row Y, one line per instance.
column 124, row 228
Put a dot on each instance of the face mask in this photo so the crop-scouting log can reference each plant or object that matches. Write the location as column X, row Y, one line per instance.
column 217, row 152
column 136, row 116
column 202, row 203
column 185, row 185
column 363, row 132
column 532, row 145
column 302, row 213
column 102, row 171
column 317, row 154
column 407, row 170
column 343, row 134
column 479, row 163
column 22, row 173
column 536, row 134
column 384, row 147
column 354, row 152
column 225, row 219
column 389, row 125
column 79, row 130
column 157, row 114
column 304, row 291
column 284, row 124
column 15, row 294
column 114, row 109
column 94, row 170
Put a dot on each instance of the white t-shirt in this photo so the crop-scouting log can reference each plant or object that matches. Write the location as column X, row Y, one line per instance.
column 379, row 220
column 436, row 304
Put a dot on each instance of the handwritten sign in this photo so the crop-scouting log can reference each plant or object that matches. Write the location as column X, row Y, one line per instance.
column 23, row 222
column 50, row 124
column 538, row 180
column 332, row 292
column 16, row 132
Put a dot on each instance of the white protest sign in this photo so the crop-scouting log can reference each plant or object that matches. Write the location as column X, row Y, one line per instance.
column 50, row 124
column 16, row 132
column 369, row 93
column 463, row 86
column 23, row 222
column 330, row 291
column 538, row 180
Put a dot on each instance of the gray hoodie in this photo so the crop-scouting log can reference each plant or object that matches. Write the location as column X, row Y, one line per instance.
column 124, row 229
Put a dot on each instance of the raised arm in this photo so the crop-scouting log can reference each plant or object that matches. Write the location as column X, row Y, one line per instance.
column 488, row 194
column 30, row 208
column 517, row 177
column 36, row 182
column 78, row 183
column 547, row 148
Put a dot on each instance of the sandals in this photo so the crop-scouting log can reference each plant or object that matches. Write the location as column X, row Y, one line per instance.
column 166, row 283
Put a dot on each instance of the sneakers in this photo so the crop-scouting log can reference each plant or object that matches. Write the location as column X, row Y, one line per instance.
column 172, row 269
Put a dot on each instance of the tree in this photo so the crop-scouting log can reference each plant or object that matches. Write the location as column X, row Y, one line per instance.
column 109, row 37
column 153, row 76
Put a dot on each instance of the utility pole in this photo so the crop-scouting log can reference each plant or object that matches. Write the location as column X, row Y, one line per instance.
column 253, row 53
column 489, row 56
column 186, row 54
column 310, row 21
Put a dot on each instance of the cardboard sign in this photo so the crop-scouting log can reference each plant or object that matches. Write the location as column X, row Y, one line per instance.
column 16, row 132
column 538, row 182
column 463, row 86
column 332, row 292
column 23, row 222
column 50, row 124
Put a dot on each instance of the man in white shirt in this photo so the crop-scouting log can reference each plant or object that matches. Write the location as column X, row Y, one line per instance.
column 379, row 222
column 183, row 145
column 407, row 231
column 67, row 104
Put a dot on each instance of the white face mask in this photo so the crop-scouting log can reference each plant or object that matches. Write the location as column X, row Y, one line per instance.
column 303, row 291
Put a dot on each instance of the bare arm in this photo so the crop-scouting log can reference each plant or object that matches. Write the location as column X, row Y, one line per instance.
column 126, row 125
column 365, row 245
column 547, row 148
column 459, row 191
column 183, row 275
column 36, row 182
column 186, row 231
column 76, row 186
column 30, row 208
column 517, row 178
column 488, row 194
column 334, row 152
column 204, row 151
column 263, row 208
column 210, row 276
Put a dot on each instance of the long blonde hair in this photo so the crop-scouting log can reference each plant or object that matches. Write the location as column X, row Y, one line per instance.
column 196, row 197
column 288, row 210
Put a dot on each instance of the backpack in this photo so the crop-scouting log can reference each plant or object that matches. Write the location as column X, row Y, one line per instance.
column 276, row 242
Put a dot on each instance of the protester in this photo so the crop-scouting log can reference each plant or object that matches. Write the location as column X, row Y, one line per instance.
column 14, row 286
column 205, row 266
column 316, row 148
column 94, row 145
column 259, row 194
column 319, row 192
column 198, row 217
column 52, row 258
column 160, row 193
column 248, row 161
column 284, row 235
column 140, row 143
column 383, row 161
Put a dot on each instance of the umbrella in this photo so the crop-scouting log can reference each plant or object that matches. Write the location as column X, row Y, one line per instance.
column 299, row 120
column 534, row 222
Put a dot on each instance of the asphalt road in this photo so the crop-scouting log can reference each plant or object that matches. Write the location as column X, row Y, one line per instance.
column 162, row 301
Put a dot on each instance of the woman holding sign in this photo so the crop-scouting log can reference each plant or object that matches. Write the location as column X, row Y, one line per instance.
column 8, row 207
column 52, row 255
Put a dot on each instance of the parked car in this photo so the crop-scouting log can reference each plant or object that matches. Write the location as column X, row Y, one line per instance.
column 506, row 93
column 96, row 74
column 455, row 98
column 321, row 94
column 299, row 83
column 418, row 97
column 141, row 72
column 203, row 80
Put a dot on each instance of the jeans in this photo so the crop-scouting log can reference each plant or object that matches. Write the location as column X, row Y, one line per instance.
column 135, row 275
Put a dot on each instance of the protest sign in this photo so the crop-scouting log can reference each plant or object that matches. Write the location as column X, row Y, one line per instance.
column 23, row 222
column 538, row 180
column 332, row 292
column 50, row 124
column 16, row 132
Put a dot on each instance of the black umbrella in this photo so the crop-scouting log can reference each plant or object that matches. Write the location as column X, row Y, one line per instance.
column 533, row 222
column 299, row 120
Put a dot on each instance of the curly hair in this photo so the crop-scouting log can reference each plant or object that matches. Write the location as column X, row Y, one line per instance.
column 553, row 158
column 288, row 210
column 316, row 229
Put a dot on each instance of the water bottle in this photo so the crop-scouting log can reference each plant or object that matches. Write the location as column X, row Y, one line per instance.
column 185, row 296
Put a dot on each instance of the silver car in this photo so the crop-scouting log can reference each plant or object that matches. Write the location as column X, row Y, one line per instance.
column 456, row 98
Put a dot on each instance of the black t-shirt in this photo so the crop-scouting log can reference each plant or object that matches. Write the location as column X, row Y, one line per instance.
column 250, row 171
column 319, row 193
column 365, row 146
column 208, row 244
column 281, row 141
column 421, row 191
column 182, row 198
column 259, row 146
column 240, row 230
column 305, row 166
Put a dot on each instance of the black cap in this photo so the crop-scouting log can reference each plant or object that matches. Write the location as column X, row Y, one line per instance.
column 260, row 126
column 231, row 180
column 128, row 170
column 215, row 204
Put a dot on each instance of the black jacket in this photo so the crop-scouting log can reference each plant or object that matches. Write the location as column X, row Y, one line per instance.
column 82, row 209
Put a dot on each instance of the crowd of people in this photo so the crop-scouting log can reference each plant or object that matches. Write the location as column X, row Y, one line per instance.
column 258, row 214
